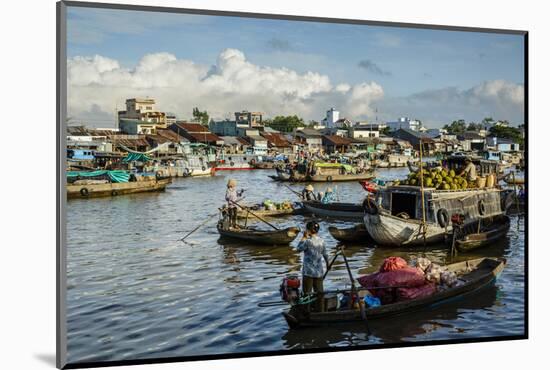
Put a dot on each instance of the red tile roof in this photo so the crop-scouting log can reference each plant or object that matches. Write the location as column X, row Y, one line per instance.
column 336, row 140
column 192, row 127
column 206, row 137
column 276, row 140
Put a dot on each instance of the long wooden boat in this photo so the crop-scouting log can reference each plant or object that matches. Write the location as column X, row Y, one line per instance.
column 395, row 218
column 357, row 233
column 514, row 181
column 271, row 237
column 369, row 175
column 241, row 213
column 472, row 274
column 352, row 211
column 497, row 229
column 109, row 189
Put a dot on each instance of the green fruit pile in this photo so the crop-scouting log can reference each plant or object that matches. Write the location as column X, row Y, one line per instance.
column 438, row 178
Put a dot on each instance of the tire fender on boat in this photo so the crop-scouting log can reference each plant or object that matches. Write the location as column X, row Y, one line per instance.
column 481, row 207
column 203, row 168
column 158, row 175
column 442, row 217
column 84, row 192
column 329, row 178
column 114, row 193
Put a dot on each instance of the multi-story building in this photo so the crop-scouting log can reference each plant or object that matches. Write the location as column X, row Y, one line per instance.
column 404, row 123
column 141, row 117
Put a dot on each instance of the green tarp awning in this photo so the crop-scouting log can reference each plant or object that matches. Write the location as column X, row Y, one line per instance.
column 139, row 157
column 114, row 176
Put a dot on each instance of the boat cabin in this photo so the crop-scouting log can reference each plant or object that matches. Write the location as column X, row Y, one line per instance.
column 483, row 167
column 80, row 154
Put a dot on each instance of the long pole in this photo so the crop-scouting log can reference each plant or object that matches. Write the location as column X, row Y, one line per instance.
column 331, row 263
column 422, row 195
column 196, row 228
column 255, row 215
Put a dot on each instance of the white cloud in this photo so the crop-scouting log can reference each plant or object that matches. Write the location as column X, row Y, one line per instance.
column 99, row 84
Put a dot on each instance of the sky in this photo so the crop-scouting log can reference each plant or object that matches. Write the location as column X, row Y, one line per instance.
column 280, row 67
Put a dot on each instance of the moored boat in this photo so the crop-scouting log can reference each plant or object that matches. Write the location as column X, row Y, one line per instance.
column 285, row 209
column 334, row 210
column 357, row 233
column 492, row 231
column 397, row 217
column 94, row 188
column 270, row 237
column 472, row 275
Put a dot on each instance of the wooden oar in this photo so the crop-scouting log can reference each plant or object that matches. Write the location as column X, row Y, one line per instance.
column 255, row 215
column 354, row 290
column 198, row 227
column 294, row 191
column 331, row 263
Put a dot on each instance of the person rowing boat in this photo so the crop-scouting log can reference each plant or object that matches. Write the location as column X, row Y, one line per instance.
column 232, row 196
column 314, row 252
column 308, row 193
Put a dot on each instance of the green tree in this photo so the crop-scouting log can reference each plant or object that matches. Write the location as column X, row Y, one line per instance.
column 285, row 123
column 201, row 117
column 472, row 126
column 504, row 132
column 385, row 131
column 457, row 127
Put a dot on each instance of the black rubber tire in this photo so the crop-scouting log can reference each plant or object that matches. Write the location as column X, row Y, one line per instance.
column 84, row 192
column 481, row 207
column 203, row 168
column 442, row 217
column 231, row 163
column 370, row 207
column 329, row 178
column 114, row 193
column 158, row 175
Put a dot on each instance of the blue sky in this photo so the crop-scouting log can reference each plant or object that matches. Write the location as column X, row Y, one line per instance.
column 404, row 62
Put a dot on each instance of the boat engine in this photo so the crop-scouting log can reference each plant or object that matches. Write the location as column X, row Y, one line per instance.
column 290, row 288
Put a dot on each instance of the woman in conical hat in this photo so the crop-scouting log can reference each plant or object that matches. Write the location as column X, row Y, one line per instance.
column 232, row 196
column 308, row 193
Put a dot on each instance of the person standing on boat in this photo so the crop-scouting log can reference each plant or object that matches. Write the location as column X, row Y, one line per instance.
column 469, row 171
column 312, row 270
column 232, row 196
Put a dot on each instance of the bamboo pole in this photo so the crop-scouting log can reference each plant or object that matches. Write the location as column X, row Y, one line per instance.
column 422, row 195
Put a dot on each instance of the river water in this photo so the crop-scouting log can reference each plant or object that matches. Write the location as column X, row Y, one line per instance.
column 136, row 292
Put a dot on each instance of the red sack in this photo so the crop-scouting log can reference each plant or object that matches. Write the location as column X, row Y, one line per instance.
column 405, row 294
column 368, row 280
column 392, row 264
column 407, row 276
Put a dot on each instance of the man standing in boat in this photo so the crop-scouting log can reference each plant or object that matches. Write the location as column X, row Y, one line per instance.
column 232, row 196
column 314, row 252
column 469, row 170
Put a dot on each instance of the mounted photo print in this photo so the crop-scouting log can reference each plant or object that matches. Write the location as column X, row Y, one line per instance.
column 236, row 184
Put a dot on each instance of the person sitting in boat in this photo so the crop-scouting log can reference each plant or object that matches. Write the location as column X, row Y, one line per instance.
column 469, row 171
column 308, row 193
column 328, row 197
column 232, row 196
column 312, row 270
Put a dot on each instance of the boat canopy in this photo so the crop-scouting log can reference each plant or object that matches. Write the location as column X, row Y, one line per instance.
column 114, row 176
column 138, row 157
column 347, row 167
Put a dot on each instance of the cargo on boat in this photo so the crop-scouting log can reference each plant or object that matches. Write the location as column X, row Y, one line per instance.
column 268, row 209
column 324, row 172
column 472, row 275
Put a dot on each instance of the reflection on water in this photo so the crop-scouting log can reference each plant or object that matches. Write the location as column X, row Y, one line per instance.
column 135, row 291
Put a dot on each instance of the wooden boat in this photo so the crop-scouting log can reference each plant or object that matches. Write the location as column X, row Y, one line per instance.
column 270, row 237
column 494, row 231
column 473, row 275
column 369, row 175
column 395, row 217
column 335, row 210
column 357, row 233
column 109, row 189
column 262, row 212
column 514, row 180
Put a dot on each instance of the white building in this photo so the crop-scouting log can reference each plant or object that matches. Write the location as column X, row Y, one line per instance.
column 331, row 118
column 406, row 123
column 141, row 115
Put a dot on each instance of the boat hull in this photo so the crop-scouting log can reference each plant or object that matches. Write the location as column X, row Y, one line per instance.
column 350, row 211
column 357, row 233
column 476, row 274
column 478, row 240
column 115, row 189
column 275, row 237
